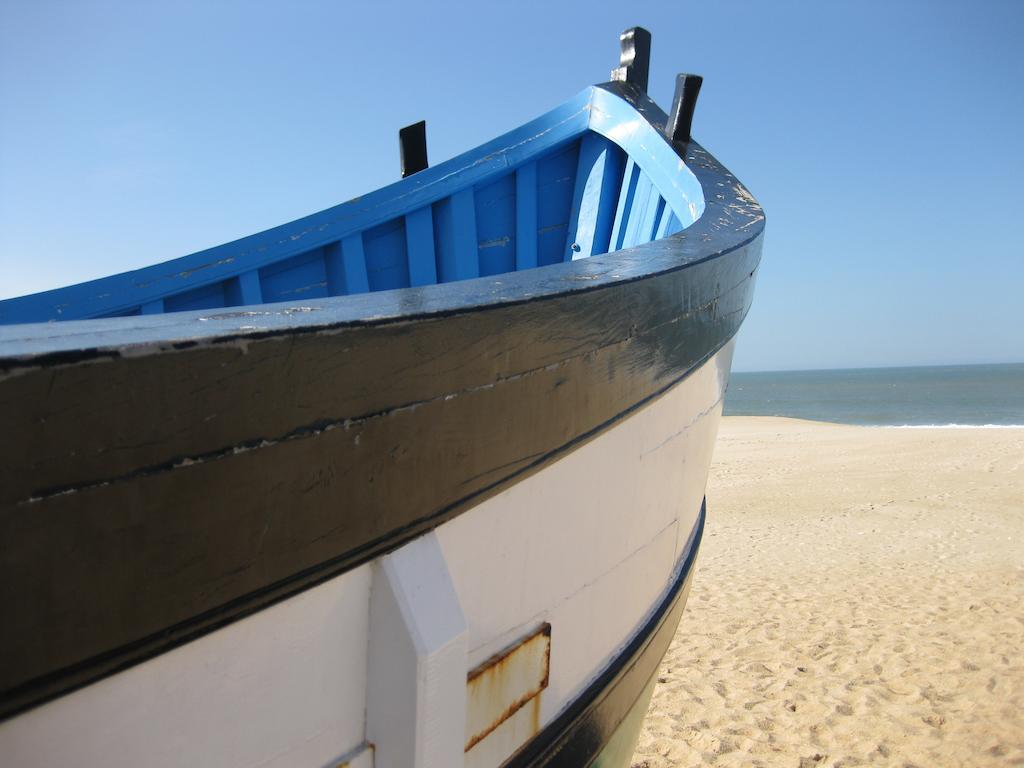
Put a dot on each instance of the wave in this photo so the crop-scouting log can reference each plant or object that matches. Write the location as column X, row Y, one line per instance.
column 952, row 426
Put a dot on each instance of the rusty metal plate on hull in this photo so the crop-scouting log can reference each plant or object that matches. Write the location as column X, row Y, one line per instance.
column 505, row 683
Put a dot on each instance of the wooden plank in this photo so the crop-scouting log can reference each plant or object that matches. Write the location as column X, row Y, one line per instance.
column 457, row 257
column 354, row 264
column 464, row 251
column 387, row 257
column 300, row 278
column 496, row 225
column 598, row 178
column 419, row 241
column 614, row 162
column 587, row 186
column 647, row 225
column 638, row 212
column 526, row 216
column 664, row 220
column 249, row 287
column 334, row 266
column 556, row 174
column 625, row 204
column 674, row 225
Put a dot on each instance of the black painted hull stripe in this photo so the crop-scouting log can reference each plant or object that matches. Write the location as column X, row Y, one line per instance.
column 580, row 732
column 308, row 431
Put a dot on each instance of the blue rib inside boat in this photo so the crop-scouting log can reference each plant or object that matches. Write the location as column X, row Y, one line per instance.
column 590, row 177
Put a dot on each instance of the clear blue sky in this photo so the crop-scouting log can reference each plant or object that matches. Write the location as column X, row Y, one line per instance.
column 882, row 138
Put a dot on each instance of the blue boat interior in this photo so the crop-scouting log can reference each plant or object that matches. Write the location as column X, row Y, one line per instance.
column 591, row 177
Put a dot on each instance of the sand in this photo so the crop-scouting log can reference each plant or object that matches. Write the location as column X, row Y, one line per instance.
column 859, row 600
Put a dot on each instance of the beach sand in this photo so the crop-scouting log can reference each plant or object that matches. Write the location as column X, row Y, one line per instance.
column 858, row 600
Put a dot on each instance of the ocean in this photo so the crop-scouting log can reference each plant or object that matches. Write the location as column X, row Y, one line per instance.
column 930, row 396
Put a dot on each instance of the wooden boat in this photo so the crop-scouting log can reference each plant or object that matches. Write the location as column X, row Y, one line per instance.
column 414, row 481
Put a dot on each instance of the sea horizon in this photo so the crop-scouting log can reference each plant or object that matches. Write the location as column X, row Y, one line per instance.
column 976, row 396
column 879, row 367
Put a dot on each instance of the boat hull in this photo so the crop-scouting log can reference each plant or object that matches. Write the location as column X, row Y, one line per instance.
column 599, row 545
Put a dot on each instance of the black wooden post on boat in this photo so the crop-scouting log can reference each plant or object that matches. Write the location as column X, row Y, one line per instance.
column 413, row 143
column 680, row 118
column 635, row 58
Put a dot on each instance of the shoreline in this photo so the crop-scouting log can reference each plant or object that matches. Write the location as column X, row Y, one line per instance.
column 873, row 426
column 856, row 602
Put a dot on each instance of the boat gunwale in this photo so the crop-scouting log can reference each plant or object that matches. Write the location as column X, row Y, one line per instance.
column 731, row 219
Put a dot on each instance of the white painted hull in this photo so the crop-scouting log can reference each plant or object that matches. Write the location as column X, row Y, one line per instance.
column 380, row 655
